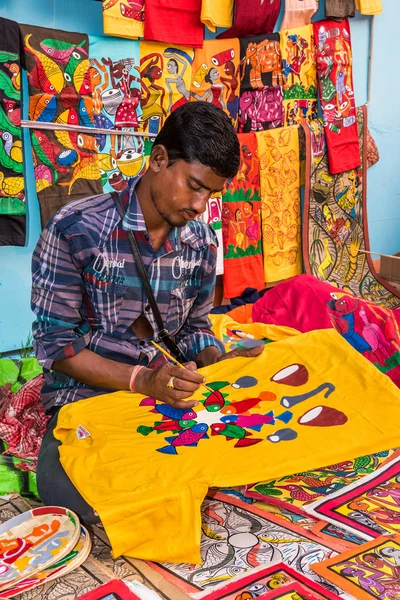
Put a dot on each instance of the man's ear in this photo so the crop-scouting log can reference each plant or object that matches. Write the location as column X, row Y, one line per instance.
column 158, row 158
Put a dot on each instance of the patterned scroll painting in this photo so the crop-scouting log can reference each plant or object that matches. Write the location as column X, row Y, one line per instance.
column 60, row 90
column 335, row 227
column 12, row 192
column 115, row 77
column 123, row 18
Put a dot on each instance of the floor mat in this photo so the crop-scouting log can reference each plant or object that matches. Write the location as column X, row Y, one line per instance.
column 335, row 222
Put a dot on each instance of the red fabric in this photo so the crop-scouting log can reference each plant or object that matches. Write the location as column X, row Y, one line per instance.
column 336, row 92
column 306, row 304
column 252, row 17
column 23, row 421
column 175, row 22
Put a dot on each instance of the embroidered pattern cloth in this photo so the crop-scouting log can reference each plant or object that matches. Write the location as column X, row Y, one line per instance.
column 241, row 224
column 278, row 153
column 12, row 188
column 299, row 75
column 335, row 76
column 310, row 412
column 123, row 18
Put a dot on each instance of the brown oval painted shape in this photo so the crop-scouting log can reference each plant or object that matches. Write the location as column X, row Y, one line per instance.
column 294, row 375
column 323, row 416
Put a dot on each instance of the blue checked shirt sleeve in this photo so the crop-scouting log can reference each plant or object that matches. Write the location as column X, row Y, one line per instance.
column 196, row 333
column 59, row 330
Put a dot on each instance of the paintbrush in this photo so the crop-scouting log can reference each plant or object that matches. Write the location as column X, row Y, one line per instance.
column 176, row 362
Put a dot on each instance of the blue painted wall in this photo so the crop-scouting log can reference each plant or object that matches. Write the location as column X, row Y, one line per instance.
column 384, row 120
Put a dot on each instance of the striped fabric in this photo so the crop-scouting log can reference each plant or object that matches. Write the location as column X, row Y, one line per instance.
column 87, row 292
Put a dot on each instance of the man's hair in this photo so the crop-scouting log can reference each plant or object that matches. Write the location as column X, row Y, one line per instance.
column 201, row 132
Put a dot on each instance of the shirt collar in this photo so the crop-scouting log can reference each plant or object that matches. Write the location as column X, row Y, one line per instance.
column 195, row 233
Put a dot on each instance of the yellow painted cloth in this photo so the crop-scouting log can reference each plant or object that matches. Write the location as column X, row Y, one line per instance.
column 121, row 20
column 278, row 151
column 217, row 13
column 369, row 7
column 215, row 75
column 299, row 75
column 315, row 400
column 166, row 73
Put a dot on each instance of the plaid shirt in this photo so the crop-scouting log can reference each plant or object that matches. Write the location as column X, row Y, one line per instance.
column 87, row 292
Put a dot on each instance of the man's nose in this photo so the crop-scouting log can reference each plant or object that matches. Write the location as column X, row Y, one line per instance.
column 200, row 204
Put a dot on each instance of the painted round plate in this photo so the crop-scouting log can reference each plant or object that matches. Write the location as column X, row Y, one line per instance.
column 72, row 561
column 35, row 540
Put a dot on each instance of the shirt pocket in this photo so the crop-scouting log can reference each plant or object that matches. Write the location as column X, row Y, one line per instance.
column 182, row 300
column 106, row 300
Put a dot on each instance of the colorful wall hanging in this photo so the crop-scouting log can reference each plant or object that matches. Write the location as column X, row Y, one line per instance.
column 275, row 415
column 265, row 580
column 339, row 9
column 236, row 538
column 335, row 227
column 178, row 23
column 123, row 18
column 213, row 217
column 368, row 572
column 336, row 92
column 368, row 507
column 12, row 187
column 369, row 7
column 278, row 153
column 60, row 90
column 306, row 304
column 299, row 490
column 217, row 14
column 115, row 77
column 252, row 17
column 299, row 75
column 166, row 73
column 298, row 13
column 241, row 224
column 215, row 75
column 261, row 98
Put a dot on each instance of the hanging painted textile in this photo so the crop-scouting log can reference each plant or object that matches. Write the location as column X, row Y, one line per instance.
column 368, row 572
column 217, row 14
column 115, row 77
column 298, row 13
column 327, row 531
column 300, row 399
column 241, row 224
column 369, row 7
column 215, row 75
column 252, row 17
column 299, row 75
column 261, row 97
column 212, row 216
column 306, row 304
column 60, row 90
column 123, row 18
column 300, row 490
column 12, row 188
column 278, row 152
column 339, row 9
column 335, row 227
column 166, row 73
column 335, row 77
column 369, row 507
column 174, row 23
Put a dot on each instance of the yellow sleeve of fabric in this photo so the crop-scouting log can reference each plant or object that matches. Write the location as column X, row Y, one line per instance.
column 217, row 14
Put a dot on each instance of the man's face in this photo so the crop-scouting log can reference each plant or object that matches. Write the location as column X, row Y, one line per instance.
column 180, row 192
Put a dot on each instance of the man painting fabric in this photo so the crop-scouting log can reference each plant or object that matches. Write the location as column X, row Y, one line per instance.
column 94, row 323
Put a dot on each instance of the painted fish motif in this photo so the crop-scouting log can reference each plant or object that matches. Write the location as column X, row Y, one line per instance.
column 87, row 168
column 50, row 149
column 42, row 156
column 231, row 431
column 59, row 50
column 87, row 142
column 68, row 97
column 255, row 421
column 81, row 78
column 188, row 437
column 8, row 160
column 44, row 177
column 38, row 103
column 86, row 115
column 11, row 186
column 241, row 407
column 46, row 75
column 68, row 138
column 172, row 413
column 214, row 402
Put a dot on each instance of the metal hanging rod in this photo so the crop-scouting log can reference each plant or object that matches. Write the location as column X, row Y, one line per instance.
column 79, row 129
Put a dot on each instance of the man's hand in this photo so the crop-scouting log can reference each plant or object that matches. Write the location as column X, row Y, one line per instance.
column 153, row 383
column 246, row 352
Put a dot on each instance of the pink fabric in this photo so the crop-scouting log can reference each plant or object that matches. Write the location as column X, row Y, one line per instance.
column 306, row 304
column 298, row 13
